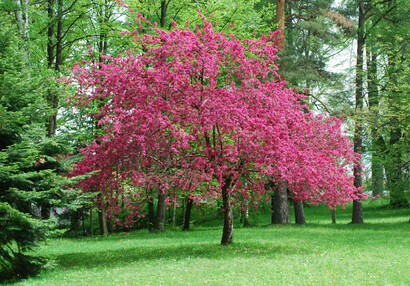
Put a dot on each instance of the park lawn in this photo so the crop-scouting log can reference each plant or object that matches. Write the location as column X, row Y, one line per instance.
column 319, row 253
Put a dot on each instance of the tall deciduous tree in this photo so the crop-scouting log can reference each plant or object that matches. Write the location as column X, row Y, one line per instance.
column 198, row 110
column 279, row 200
column 357, row 216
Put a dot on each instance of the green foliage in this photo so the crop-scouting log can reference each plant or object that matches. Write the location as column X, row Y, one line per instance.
column 30, row 173
column 17, row 106
column 246, row 15
column 19, row 234
column 30, row 163
column 313, row 35
column 387, row 118
column 16, row 102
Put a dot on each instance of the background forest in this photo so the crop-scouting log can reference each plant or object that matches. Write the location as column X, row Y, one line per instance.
column 348, row 57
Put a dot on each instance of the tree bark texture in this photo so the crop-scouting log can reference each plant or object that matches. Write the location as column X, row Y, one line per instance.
column 151, row 214
column 102, row 217
column 357, row 216
column 54, row 60
column 59, row 36
column 299, row 212
column 50, row 33
column 103, row 19
column 22, row 18
column 160, row 219
column 280, row 206
column 280, row 20
column 227, row 234
column 187, row 216
column 163, row 17
column 333, row 216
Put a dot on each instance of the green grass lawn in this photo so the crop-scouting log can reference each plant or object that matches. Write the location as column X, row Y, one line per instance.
column 319, row 253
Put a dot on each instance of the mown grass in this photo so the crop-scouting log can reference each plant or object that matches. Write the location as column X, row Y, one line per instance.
column 319, row 253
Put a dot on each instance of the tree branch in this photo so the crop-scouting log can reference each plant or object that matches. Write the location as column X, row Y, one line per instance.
column 321, row 102
column 298, row 16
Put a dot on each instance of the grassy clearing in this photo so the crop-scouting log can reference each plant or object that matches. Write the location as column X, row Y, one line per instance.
column 319, row 253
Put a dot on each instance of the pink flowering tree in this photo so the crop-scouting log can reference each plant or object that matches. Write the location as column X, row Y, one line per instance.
column 205, row 114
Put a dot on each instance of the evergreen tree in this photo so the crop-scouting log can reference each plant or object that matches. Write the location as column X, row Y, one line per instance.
column 18, row 157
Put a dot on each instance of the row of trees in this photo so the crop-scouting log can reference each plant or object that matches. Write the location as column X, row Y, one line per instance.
column 383, row 46
column 40, row 135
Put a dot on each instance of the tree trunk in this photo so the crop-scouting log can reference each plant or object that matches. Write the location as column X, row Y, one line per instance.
column 45, row 210
column 102, row 214
column 333, row 216
column 174, row 209
column 83, row 221
column 163, row 17
column 357, row 216
column 280, row 206
column 22, row 18
column 50, row 33
column 52, row 98
column 59, row 36
column 187, row 214
column 103, row 19
column 151, row 214
column 377, row 139
column 299, row 212
column 160, row 219
column 280, row 20
column 75, row 221
column 91, row 223
column 228, row 212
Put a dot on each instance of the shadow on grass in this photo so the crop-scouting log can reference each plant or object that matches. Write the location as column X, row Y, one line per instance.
column 387, row 226
column 110, row 258
column 119, row 236
column 144, row 235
